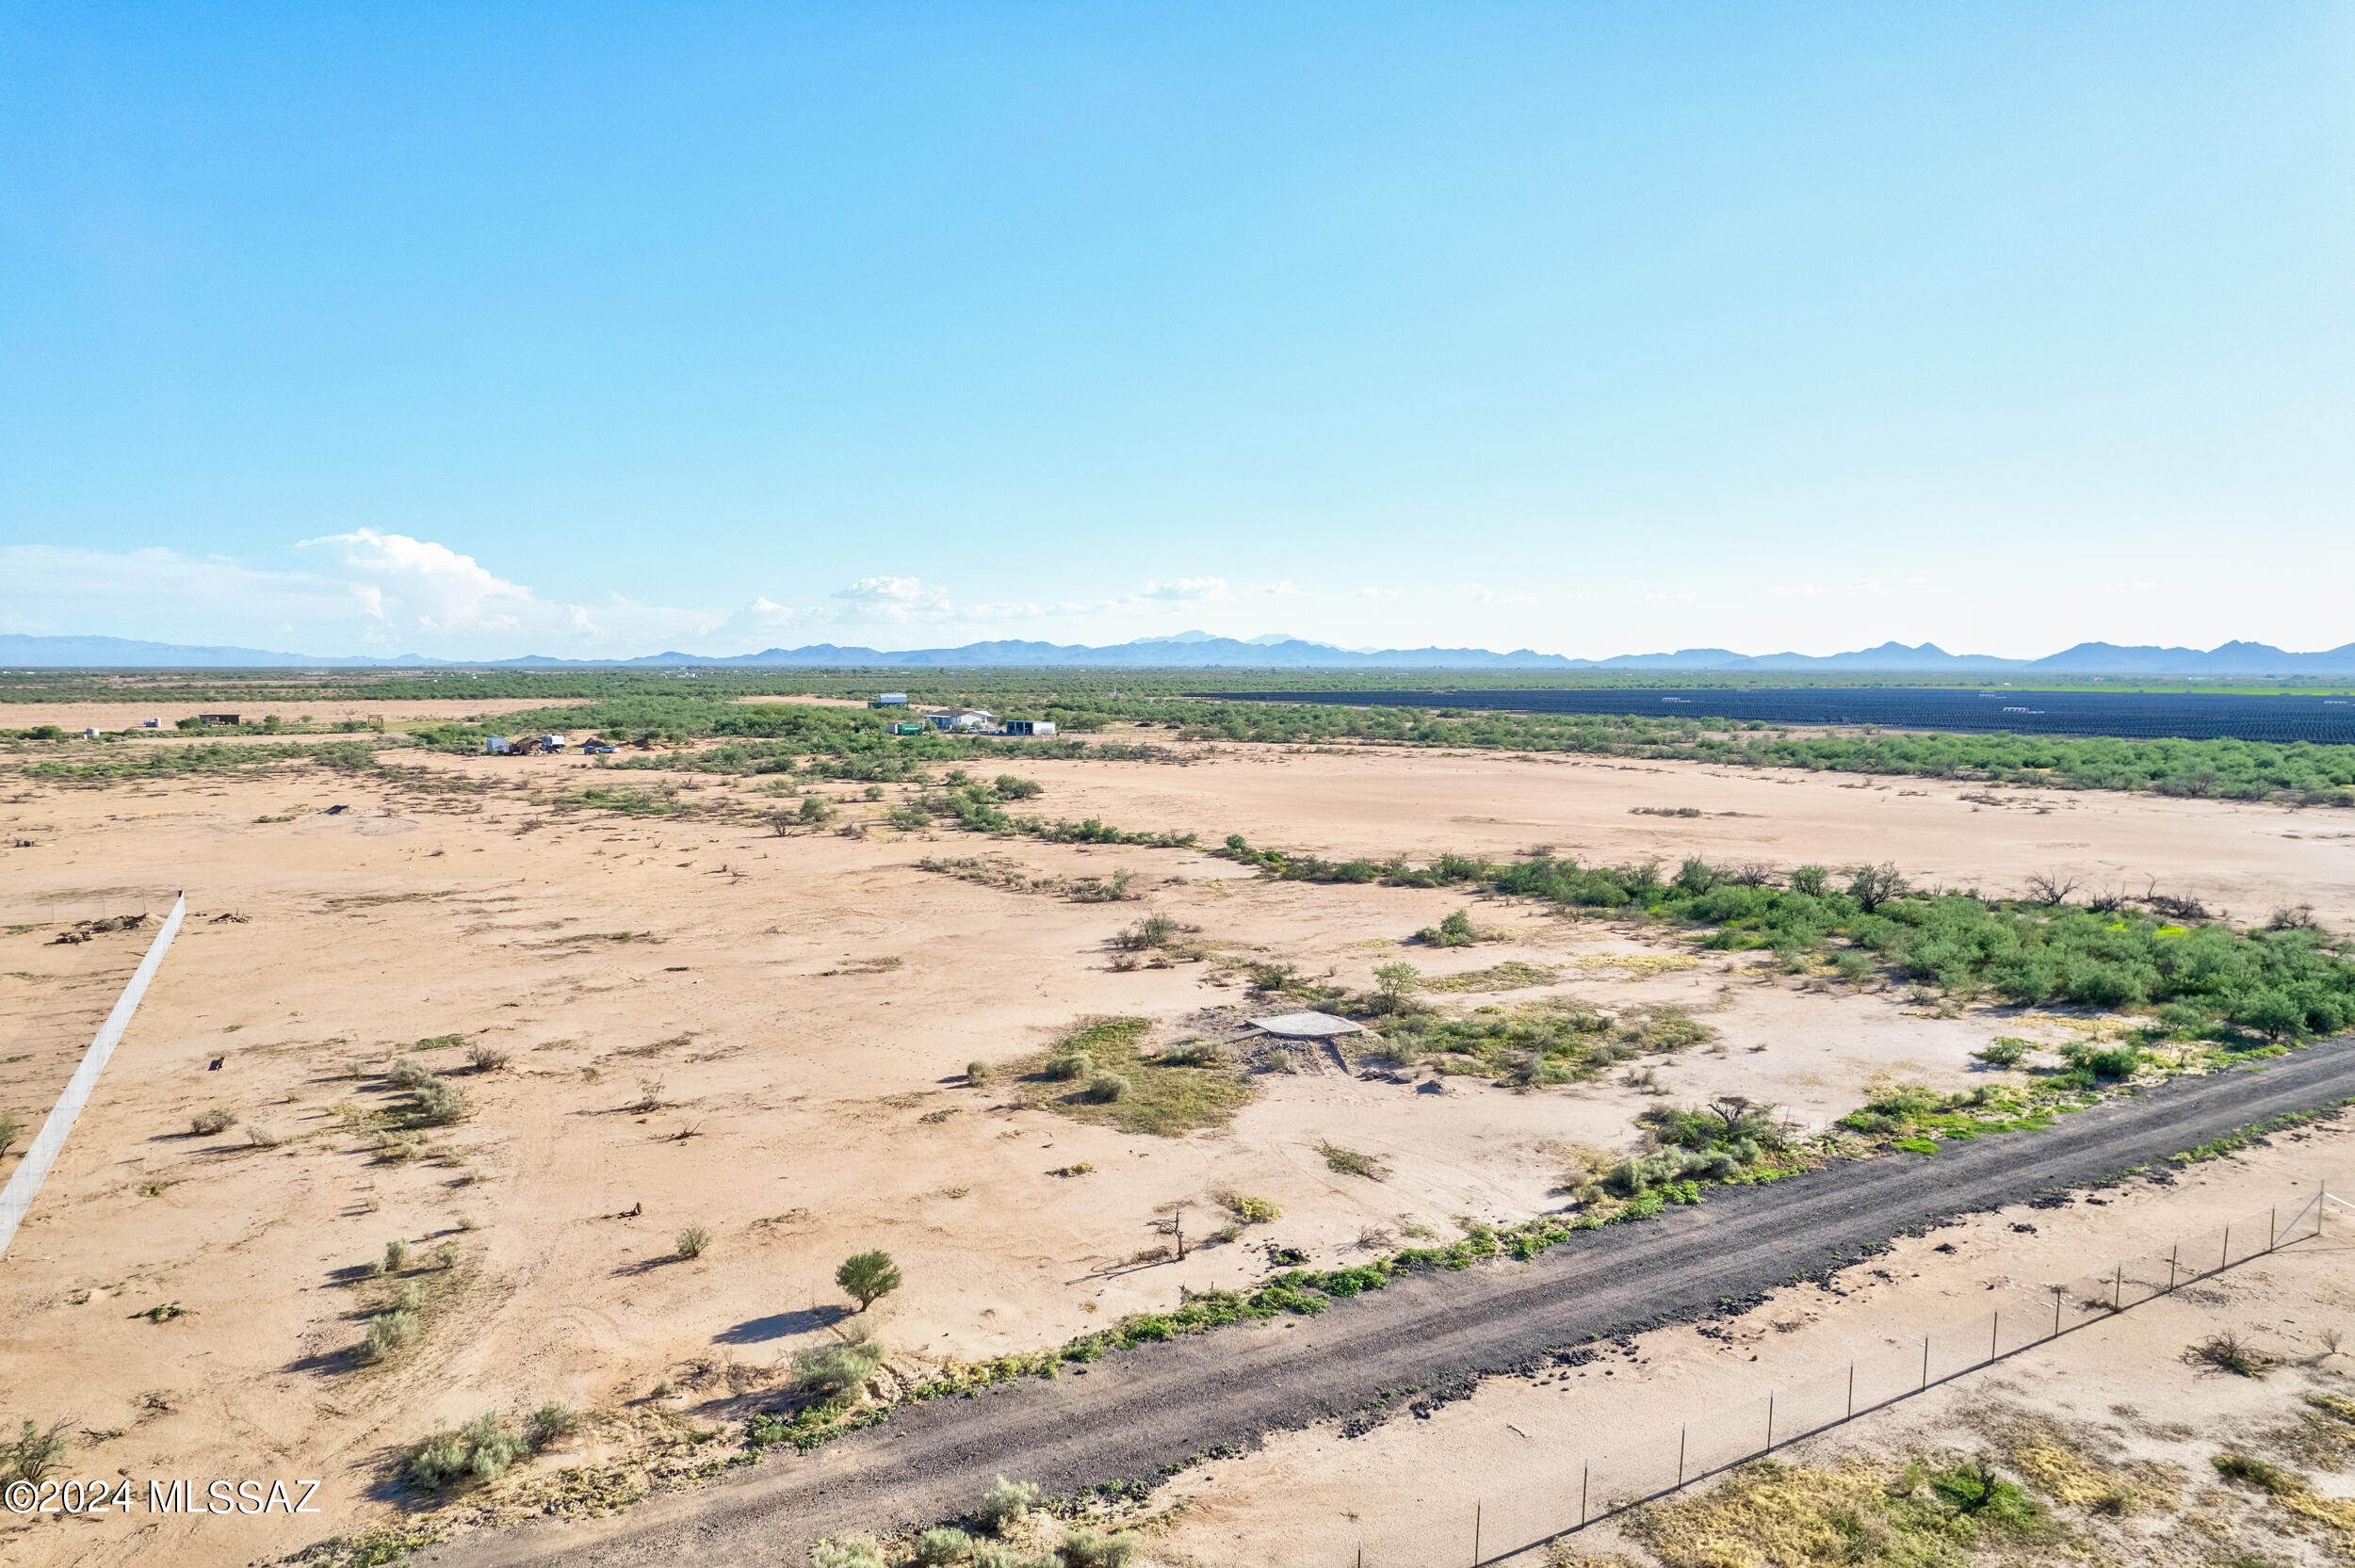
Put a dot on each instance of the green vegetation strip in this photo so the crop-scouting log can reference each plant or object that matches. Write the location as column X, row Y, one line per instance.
column 2203, row 978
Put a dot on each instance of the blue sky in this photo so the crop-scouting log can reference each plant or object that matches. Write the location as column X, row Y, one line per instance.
column 483, row 329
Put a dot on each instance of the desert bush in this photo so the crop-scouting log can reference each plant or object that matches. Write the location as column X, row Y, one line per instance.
column 977, row 1073
column 2256, row 1472
column 395, row 1255
column 2228, row 1352
column 409, row 1073
column 439, row 1102
column 483, row 1448
column 1069, row 1064
column 2004, row 1052
column 1104, row 1088
column 446, row 1255
column 262, row 1135
column 10, row 1125
column 851, row 1551
column 943, row 1546
column 29, row 1455
column 1251, row 1211
column 649, row 1095
column 412, row 1297
column 1349, row 1162
column 693, row 1241
column 551, row 1423
column 1196, row 1053
column 837, row 1371
column 1004, row 1554
column 815, row 813
column 1005, row 1504
column 1154, row 930
column 486, row 1056
column 1453, row 932
column 390, row 1333
column 868, row 1277
column 1084, row 1546
column 1394, row 986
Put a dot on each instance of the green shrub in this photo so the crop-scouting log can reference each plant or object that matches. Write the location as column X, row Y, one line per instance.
column 395, row 1255
column 1155, row 931
column 28, row 1456
column 262, row 1135
column 837, row 1371
column 693, row 1241
column 1067, row 1065
column 1251, row 1211
column 211, row 1121
column 1084, row 1546
column 868, row 1277
column 1005, row 1504
column 943, row 1546
column 551, row 1423
column 1104, row 1088
column 2256, row 1472
column 851, row 1551
column 1453, row 932
column 2004, row 1052
column 439, row 1102
column 408, row 1073
column 389, row 1334
column 977, row 1073
column 483, row 1448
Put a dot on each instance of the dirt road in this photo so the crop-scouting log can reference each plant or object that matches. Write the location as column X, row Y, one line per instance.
column 1131, row 1414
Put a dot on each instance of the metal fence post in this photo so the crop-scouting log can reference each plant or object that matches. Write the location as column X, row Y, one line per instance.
column 2117, row 1291
column 2172, row 1253
column 2273, row 1228
column 1994, row 1335
column 1851, row 1416
column 1585, row 1474
column 2225, row 1261
column 1682, row 1428
column 1925, row 1360
column 1477, row 1505
column 1770, row 1423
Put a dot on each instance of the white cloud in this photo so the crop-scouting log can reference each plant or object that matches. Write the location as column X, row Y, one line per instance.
column 416, row 583
column 1380, row 592
column 2129, row 588
column 893, row 600
column 1287, row 585
column 1186, row 591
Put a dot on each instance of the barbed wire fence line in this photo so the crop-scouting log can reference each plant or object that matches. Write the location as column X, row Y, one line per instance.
column 1605, row 1485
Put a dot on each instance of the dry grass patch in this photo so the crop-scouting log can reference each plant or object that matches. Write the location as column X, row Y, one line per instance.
column 1167, row 1096
column 1512, row 975
column 1775, row 1515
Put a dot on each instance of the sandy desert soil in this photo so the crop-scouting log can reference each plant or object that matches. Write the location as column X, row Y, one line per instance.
column 803, row 1008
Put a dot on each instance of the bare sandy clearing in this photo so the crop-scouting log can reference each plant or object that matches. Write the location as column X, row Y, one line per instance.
column 805, row 1006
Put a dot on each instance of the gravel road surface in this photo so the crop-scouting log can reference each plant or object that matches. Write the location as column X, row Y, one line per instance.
column 1133, row 1413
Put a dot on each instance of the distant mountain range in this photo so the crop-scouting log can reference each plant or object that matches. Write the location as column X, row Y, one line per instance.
column 1201, row 651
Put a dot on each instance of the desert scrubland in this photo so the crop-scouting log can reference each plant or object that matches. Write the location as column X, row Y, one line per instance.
column 700, row 1010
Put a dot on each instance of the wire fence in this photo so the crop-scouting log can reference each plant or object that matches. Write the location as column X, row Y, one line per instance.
column 1578, row 1491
